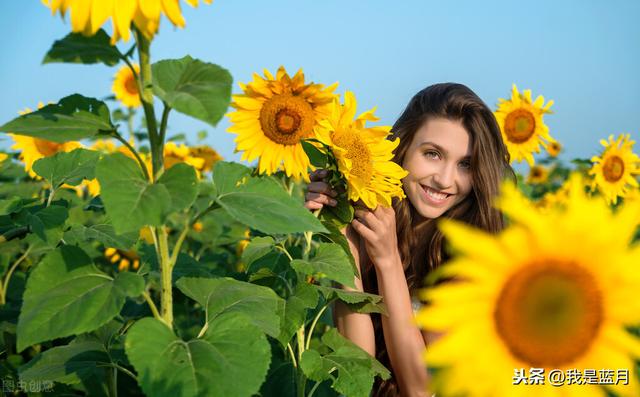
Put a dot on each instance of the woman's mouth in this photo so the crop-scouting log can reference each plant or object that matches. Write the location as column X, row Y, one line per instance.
column 435, row 197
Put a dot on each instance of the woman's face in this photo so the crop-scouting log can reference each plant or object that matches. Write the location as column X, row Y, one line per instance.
column 439, row 166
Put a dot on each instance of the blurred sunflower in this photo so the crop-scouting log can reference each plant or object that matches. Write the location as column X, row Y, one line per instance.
column 556, row 198
column 209, row 155
column 87, row 16
column 274, row 115
column 32, row 149
column 3, row 157
column 197, row 227
column 537, row 174
column 615, row 169
column 125, row 86
column 554, row 148
column 521, row 124
column 364, row 154
column 240, row 247
column 555, row 290
column 174, row 154
column 124, row 259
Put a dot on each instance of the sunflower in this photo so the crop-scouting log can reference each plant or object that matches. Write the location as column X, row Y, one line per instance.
column 555, row 290
column 554, row 148
column 274, row 115
column 88, row 16
column 556, row 198
column 197, row 227
column 520, row 120
column 125, row 259
column 3, row 157
column 32, row 149
column 537, row 174
column 207, row 154
column 364, row 154
column 615, row 169
column 174, row 154
column 125, row 86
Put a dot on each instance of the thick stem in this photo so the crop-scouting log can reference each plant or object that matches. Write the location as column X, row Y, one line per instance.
column 152, row 305
column 146, row 96
column 302, row 379
column 166, row 302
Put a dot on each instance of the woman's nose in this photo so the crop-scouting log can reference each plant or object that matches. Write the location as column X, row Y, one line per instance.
column 445, row 177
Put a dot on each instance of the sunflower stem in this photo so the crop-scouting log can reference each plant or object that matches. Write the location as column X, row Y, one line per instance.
column 5, row 283
column 166, row 302
column 135, row 154
column 145, row 88
column 302, row 379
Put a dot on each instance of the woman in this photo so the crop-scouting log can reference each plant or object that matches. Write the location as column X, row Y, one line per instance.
column 451, row 146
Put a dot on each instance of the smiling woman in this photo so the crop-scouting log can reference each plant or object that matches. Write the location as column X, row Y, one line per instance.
column 450, row 144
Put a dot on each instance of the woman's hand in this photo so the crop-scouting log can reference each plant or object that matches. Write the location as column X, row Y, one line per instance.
column 378, row 231
column 319, row 192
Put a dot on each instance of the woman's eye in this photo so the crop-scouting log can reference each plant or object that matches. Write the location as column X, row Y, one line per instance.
column 431, row 154
column 465, row 165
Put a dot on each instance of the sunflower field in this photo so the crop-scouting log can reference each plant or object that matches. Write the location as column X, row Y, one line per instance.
column 135, row 264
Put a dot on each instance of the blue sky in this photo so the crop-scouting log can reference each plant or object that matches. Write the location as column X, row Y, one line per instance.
column 585, row 55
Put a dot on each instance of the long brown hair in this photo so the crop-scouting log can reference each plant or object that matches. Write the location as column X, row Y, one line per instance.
column 420, row 242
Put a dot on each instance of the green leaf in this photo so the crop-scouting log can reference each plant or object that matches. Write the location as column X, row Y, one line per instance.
column 74, row 117
column 256, row 249
column 130, row 200
column 195, row 88
column 331, row 262
column 10, row 205
column 263, row 205
column 360, row 302
column 295, row 311
column 103, row 233
column 218, row 296
column 227, row 175
column 67, row 167
column 231, row 359
column 356, row 369
column 77, row 48
column 70, row 364
column 336, row 236
column 316, row 156
column 66, row 295
column 182, row 184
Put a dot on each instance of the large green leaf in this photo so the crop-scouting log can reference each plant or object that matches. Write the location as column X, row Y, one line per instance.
column 331, row 262
column 103, row 233
column 351, row 369
column 260, row 305
column 67, row 167
column 182, row 184
column 74, row 117
column 78, row 48
column 84, row 357
column 66, row 295
column 263, row 205
column 231, row 359
column 360, row 302
column 256, row 249
column 130, row 200
column 227, row 175
column 190, row 86
column 295, row 311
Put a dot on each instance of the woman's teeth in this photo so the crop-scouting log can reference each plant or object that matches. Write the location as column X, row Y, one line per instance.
column 435, row 194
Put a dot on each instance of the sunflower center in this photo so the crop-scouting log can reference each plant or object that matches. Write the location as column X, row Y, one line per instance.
column 613, row 169
column 285, row 119
column 548, row 314
column 519, row 125
column 45, row 147
column 359, row 154
column 130, row 85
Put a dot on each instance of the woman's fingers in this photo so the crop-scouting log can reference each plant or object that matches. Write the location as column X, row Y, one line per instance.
column 318, row 175
column 367, row 218
column 363, row 230
column 320, row 198
column 313, row 205
column 321, row 187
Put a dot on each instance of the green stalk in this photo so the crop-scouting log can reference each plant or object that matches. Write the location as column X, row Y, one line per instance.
column 146, row 96
column 302, row 379
column 166, row 301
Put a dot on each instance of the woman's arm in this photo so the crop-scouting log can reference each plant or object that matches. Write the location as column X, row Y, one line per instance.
column 356, row 327
column 403, row 339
